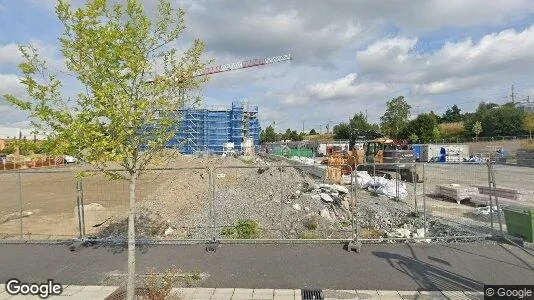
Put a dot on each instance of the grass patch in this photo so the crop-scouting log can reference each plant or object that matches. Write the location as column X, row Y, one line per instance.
column 310, row 223
column 307, row 235
column 243, row 229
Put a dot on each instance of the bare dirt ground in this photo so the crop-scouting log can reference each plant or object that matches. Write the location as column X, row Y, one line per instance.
column 179, row 199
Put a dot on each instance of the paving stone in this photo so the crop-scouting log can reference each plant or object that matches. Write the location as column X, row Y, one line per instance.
column 341, row 294
column 284, row 292
column 182, row 292
column 284, row 297
column 71, row 290
column 432, row 295
column 409, row 295
column 474, row 295
column 389, row 295
column 455, row 295
column 368, row 294
column 242, row 294
column 263, row 294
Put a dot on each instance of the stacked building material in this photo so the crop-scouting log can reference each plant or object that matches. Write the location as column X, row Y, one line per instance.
column 525, row 157
column 456, row 192
column 505, row 196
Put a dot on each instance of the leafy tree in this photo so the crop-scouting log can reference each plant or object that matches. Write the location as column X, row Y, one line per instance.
column 477, row 129
column 268, row 135
column 453, row 114
column 425, row 127
column 313, row 132
column 342, row 131
column 528, row 123
column 413, row 138
column 111, row 49
column 396, row 116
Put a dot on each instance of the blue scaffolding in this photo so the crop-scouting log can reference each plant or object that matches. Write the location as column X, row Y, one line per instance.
column 208, row 129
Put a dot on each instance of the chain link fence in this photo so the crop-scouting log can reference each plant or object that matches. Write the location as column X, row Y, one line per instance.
column 270, row 203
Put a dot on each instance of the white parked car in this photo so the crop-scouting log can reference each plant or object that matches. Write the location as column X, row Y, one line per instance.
column 69, row 159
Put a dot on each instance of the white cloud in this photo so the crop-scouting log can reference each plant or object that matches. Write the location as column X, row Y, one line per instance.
column 10, row 54
column 455, row 66
column 345, row 88
column 10, row 84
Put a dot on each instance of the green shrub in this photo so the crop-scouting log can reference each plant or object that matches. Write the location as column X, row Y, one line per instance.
column 310, row 223
column 228, row 232
column 246, row 229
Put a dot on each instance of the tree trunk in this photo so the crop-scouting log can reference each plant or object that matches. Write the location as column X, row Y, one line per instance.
column 130, row 291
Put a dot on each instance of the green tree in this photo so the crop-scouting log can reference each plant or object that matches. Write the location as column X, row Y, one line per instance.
column 313, row 132
column 528, row 123
column 342, row 131
column 111, row 50
column 425, row 127
column 413, row 138
column 498, row 120
column 268, row 135
column 477, row 129
column 396, row 116
column 453, row 114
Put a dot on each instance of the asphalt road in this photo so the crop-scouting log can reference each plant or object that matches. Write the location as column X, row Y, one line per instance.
column 382, row 267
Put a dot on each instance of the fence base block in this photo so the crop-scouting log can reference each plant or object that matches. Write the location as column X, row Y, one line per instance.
column 212, row 246
column 354, row 246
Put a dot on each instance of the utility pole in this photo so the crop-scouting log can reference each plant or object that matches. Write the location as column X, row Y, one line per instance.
column 302, row 126
column 512, row 95
column 320, row 128
column 366, row 116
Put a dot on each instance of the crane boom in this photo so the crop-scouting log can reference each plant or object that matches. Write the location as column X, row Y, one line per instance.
column 243, row 65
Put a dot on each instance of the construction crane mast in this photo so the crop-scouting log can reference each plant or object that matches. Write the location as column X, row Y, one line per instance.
column 243, row 65
column 240, row 65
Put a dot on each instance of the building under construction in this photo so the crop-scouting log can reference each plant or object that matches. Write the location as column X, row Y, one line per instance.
column 213, row 129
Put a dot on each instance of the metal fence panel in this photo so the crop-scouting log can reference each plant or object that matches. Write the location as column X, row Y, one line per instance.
column 10, row 206
column 284, row 202
column 454, row 203
column 388, row 206
column 171, row 204
column 47, row 204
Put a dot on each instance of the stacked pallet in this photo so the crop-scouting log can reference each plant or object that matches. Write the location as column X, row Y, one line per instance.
column 525, row 157
column 456, row 192
column 505, row 196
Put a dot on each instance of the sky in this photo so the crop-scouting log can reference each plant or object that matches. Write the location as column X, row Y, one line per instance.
column 349, row 56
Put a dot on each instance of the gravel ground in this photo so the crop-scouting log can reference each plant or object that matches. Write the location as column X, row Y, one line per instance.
column 287, row 203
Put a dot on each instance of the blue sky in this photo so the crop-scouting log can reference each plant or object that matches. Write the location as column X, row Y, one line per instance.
column 349, row 56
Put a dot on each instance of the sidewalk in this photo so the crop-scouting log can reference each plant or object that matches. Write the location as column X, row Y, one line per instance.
column 101, row 292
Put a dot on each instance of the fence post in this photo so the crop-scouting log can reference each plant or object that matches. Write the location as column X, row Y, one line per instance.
column 415, row 179
column 212, row 210
column 424, row 201
column 79, row 207
column 397, row 187
column 20, row 205
column 493, row 188
column 490, row 195
column 281, row 203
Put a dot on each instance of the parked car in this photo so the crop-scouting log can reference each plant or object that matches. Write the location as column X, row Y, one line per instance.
column 69, row 159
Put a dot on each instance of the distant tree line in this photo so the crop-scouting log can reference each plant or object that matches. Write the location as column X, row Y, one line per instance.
column 489, row 120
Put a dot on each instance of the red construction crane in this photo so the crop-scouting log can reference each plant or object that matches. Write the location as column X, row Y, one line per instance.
column 243, row 65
